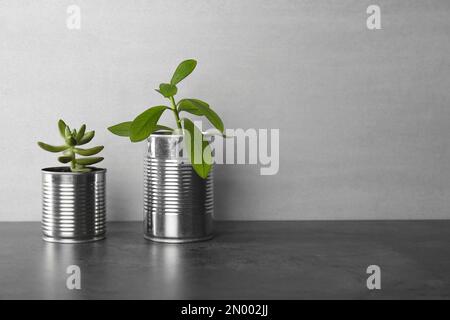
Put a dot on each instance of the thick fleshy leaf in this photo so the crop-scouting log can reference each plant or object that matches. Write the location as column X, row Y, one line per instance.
column 201, row 108
column 167, row 90
column 64, row 159
column 88, row 161
column 62, row 128
column 184, row 69
column 71, row 141
column 67, row 133
column 86, row 138
column 199, row 151
column 88, row 152
column 81, row 132
column 50, row 148
column 121, row 129
column 145, row 123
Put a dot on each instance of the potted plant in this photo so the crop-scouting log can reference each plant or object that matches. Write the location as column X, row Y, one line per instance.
column 178, row 175
column 73, row 197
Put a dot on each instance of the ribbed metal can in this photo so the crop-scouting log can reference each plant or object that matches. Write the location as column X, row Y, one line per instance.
column 73, row 205
column 178, row 204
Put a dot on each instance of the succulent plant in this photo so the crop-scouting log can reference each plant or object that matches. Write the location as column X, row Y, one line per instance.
column 146, row 123
column 73, row 139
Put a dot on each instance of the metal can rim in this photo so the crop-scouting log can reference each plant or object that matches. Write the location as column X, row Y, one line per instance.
column 169, row 135
column 54, row 170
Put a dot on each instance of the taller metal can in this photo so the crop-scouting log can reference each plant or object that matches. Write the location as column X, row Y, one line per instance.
column 178, row 204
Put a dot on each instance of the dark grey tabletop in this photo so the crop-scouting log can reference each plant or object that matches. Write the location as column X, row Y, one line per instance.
column 246, row 260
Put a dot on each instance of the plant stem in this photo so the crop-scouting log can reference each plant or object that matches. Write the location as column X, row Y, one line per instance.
column 72, row 162
column 175, row 112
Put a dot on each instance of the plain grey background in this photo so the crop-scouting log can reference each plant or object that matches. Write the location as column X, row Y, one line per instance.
column 363, row 114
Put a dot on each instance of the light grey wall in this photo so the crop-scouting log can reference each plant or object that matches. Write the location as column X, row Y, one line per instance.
column 363, row 115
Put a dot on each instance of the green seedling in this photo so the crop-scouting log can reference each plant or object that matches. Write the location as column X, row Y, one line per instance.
column 70, row 149
column 146, row 123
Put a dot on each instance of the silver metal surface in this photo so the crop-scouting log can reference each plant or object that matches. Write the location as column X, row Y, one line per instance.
column 73, row 205
column 178, row 204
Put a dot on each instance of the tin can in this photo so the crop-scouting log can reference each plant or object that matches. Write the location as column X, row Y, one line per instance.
column 178, row 204
column 73, row 205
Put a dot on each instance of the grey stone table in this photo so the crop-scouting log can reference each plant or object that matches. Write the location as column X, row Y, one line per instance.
column 246, row 260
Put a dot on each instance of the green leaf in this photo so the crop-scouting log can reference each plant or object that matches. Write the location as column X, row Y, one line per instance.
column 86, row 138
column 88, row 161
column 162, row 128
column 88, row 152
column 145, row 123
column 67, row 133
column 51, row 148
column 64, row 159
column 81, row 132
column 184, row 69
column 201, row 163
column 62, row 128
column 187, row 106
column 201, row 108
column 121, row 129
column 71, row 141
column 215, row 120
column 167, row 90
